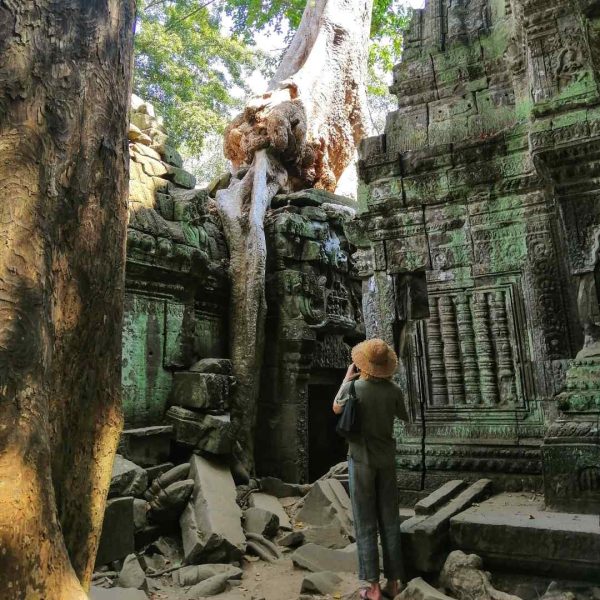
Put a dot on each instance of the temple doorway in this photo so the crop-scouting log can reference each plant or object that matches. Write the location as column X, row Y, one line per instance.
column 325, row 447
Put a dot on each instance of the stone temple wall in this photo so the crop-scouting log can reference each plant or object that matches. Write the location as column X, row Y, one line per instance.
column 176, row 312
column 478, row 231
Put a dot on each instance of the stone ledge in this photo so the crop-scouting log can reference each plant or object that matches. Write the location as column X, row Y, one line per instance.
column 509, row 531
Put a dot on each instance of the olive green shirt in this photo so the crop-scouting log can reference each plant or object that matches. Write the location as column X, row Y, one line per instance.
column 379, row 401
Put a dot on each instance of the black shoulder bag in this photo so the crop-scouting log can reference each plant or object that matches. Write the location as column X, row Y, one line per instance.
column 348, row 424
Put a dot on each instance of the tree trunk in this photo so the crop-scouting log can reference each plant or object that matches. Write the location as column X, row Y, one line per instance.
column 307, row 126
column 65, row 75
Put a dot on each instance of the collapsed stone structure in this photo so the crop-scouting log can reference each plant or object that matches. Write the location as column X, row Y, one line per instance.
column 479, row 233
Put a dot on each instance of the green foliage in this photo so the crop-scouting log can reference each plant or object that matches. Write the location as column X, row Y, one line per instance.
column 187, row 67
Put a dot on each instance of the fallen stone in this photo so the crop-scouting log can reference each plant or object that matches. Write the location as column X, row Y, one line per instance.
column 180, row 176
column 464, row 578
column 327, row 503
column 201, row 391
column 554, row 592
column 147, row 535
column 132, row 575
column 116, row 593
column 194, row 574
column 329, row 536
column 271, row 504
column 262, row 547
column 426, row 537
column 140, row 514
column 316, row 558
column 324, row 582
column 209, row 433
column 419, row 589
column 170, row 547
column 117, row 536
column 279, row 489
column 171, row 156
column 219, row 366
column 128, row 479
column 291, row 539
column 209, row 587
column 169, row 503
column 154, row 562
column 178, row 473
column 211, row 522
column 156, row 471
column 147, row 446
column 261, row 521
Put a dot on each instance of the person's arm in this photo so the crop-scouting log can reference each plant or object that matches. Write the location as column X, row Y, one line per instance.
column 342, row 396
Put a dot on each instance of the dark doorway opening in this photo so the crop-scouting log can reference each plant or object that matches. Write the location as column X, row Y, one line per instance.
column 325, row 447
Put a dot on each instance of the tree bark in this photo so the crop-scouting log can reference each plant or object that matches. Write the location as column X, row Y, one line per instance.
column 306, row 126
column 65, row 77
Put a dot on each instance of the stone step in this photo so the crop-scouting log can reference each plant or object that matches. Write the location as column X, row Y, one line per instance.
column 510, row 532
column 426, row 536
column 428, row 505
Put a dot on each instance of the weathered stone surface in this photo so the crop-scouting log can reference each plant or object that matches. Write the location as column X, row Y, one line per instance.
column 140, row 513
column 291, row 539
column 210, row 433
column 324, row 582
column 329, row 536
column 132, row 575
column 116, row 539
column 426, row 537
column 211, row 522
column 464, row 578
column 418, row 589
column 168, row 504
column 146, row 446
column 316, row 558
column 209, row 587
column 128, row 479
column 261, row 521
column 116, row 593
column 156, row 471
column 165, row 479
column 280, row 489
column 435, row 500
column 194, row 574
column 271, row 504
column 218, row 366
column 516, row 533
column 201, row 391
column 327, row 503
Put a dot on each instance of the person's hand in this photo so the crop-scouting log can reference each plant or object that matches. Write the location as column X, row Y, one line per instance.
column 351, row 373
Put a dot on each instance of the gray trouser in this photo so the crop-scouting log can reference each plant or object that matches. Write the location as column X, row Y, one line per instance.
column 374, row 495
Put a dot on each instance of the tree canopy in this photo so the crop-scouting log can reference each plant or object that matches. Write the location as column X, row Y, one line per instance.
column 193, row 58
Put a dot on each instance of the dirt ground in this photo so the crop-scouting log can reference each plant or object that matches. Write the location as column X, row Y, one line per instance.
column 266, row 581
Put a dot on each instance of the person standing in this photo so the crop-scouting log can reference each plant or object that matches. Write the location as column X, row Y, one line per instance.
column 371, row 464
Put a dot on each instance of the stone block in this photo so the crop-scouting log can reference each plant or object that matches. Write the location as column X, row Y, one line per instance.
column 171, row 156
column 210, row 433
column 128, row 479
column 513, row 533
column 140, row 514
column 194, row 574
column 291, row 539
column 280, row 489
column 329, row 536
column 168, row 504
column 147, row 446
column 132, row 575
column 316, row 558
column 431, row 503
column 261, row 521
column 157, row 471
column 418, row 589
column 211, row 526
column 426, row 536
column 116, row 538
column 201, row 391
column 324, row 582
column 271, row 504
column 209, row 587
column 181, row 177
column 328, row 503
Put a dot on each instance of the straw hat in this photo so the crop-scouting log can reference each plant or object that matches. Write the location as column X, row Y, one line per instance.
column 375, row 358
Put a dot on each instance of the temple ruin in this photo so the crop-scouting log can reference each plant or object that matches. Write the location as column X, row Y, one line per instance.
column 474, row 249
